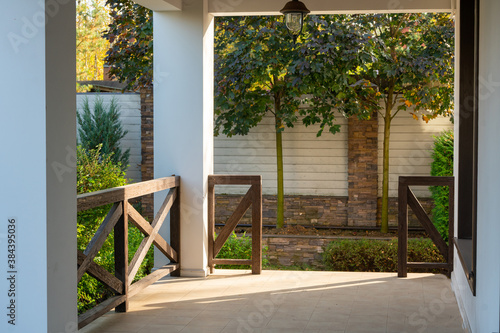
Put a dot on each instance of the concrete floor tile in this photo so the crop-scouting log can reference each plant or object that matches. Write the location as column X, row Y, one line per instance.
column 368, row 323
column 280, row 301
column 152, row 328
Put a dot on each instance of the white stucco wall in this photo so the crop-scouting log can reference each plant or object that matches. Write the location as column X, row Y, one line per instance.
column 482, row 311
column 130, row 117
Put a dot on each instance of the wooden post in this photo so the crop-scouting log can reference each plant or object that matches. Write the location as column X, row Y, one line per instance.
column 451, row 225
column 121, row 255
column 175, row 229
column 211, row 223
column 402, row 227
column 257, row 228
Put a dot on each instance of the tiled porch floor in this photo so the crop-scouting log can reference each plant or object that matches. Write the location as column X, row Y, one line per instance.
column 290, row 301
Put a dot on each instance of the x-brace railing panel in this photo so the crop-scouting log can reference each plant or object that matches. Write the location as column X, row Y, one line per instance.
column 406, row 199
column 252, row 198
column 117, row 219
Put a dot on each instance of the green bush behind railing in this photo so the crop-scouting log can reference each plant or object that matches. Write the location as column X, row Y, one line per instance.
column 442, row 165
column 239, row 247
column 95, row 172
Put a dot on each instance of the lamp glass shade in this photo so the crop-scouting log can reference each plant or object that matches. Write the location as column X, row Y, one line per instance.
column 294, row 22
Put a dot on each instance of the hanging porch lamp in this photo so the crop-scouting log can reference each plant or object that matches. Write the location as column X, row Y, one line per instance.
column 295, row 11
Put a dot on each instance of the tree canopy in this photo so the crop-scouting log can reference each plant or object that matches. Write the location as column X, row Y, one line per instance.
column 259, row 71
column 92, row 19
column 352, row 64
column 405, row 62
column 130, row 35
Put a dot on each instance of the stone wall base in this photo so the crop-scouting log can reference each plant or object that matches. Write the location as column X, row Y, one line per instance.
column 295, row 251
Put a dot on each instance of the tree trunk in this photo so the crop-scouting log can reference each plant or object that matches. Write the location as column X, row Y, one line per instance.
column 280, row 216
column 384, row 223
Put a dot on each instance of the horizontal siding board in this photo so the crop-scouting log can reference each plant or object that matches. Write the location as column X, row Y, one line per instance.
column 410, row 147
column 293, row 168
column 318, row 165
column 287, row 152
column 312, row 165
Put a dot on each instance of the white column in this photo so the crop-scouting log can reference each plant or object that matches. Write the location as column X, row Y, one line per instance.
column 37, row 131
column 488, row 208
column 183, row 122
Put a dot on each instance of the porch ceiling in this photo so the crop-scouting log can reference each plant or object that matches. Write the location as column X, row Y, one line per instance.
column 290, row 301
column 272, row 7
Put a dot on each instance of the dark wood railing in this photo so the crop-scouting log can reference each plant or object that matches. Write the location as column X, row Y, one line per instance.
column 118, row 220
column 407, row 198
column 252, row 198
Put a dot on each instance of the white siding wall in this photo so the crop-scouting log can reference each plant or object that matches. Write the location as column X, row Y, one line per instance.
column 130, row 109
column 411, row 145
column 318, row 166
column 312, row 166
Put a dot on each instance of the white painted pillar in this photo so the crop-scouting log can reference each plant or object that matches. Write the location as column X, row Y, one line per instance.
column 183, row 122
column 488, row 199
column 37, row 132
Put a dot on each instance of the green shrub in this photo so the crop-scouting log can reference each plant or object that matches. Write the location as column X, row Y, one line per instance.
column 98, row 125
column 442, row 165
column 97, row 172
column 366, row 255
column 239, row 247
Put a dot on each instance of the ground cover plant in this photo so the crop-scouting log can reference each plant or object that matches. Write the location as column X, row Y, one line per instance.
column 239, row 247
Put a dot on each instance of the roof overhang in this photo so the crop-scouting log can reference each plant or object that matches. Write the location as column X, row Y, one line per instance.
column 272, row 7
column 161, row 5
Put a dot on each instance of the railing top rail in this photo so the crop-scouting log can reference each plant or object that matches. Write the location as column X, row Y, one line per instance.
column 98, row 198
column 426, row 180
column 234, row 179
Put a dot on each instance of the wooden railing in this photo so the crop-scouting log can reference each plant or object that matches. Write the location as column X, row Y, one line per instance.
column 252, row 198
column 118, row 220
column 407, row 198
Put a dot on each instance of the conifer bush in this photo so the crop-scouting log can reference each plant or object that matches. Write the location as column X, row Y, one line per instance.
column 99, row 124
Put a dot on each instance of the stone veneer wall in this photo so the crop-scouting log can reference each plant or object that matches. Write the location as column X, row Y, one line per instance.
column 299, row 209
column 147, row 148
column 309, row 210
column 295, row 250
column 362, row 171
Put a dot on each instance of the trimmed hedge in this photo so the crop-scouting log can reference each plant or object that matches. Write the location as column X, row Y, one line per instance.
column 366, row 255
column 442, row 165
